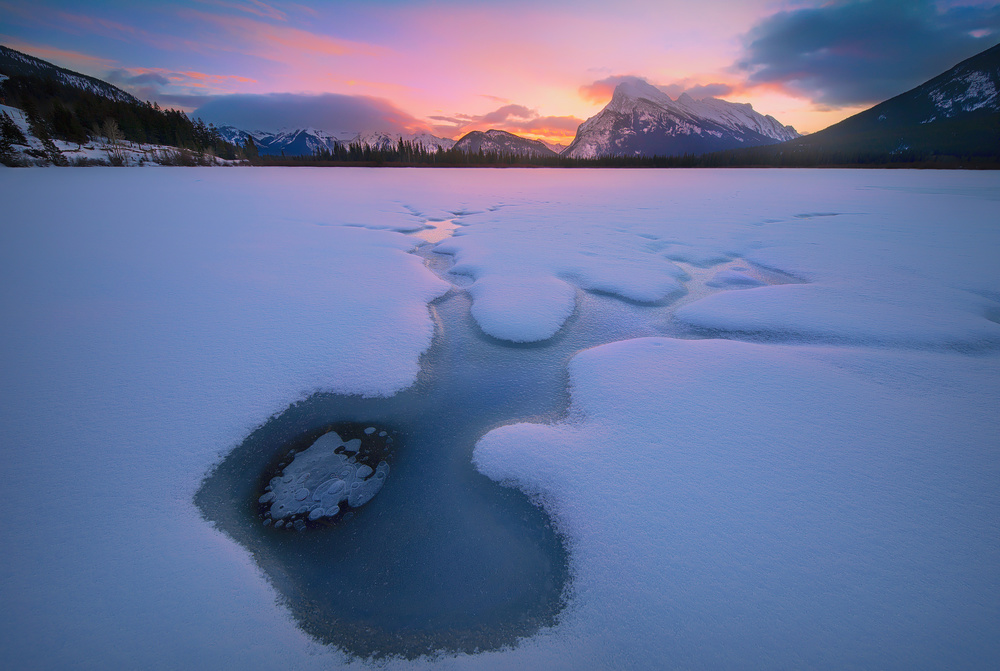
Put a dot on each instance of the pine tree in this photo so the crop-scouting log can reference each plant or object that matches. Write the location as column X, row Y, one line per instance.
column 250, row 149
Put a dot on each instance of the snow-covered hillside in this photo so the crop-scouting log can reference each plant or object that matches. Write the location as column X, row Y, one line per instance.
column 14, row 62
column 97, row 151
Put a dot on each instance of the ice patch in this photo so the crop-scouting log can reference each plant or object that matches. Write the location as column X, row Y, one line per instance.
column 326, row 457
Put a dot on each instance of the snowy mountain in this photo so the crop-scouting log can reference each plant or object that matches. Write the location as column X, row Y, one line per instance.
column 955, row 113
column 15, row 64
column 426, row 141
column 502, row 142
column 642, row 120
column 298, row 142
column 305, row 141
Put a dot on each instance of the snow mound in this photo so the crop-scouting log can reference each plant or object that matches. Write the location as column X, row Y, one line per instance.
column 844, row 314
column 736, row 505
column 526, row 271
column 521, row 309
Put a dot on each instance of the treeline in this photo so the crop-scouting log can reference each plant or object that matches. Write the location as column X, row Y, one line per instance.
column 58, row 110
column 408, row 154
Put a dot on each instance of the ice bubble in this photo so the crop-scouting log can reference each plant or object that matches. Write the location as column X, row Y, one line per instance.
column 267, row 498
column 301, row 494
column 364, row 471
column 363, row 492
column 279, row 524
column 267, row 522
column 316, row 514
column 370, row 430
column 299, row 525
column 382, row 434
column 352, row 445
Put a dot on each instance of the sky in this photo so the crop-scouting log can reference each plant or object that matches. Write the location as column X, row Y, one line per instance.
column 533, row 67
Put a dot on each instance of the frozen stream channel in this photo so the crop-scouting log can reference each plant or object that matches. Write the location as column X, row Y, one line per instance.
column 443, row 559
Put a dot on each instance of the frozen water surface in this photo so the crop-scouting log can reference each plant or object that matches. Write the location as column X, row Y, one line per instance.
column 795, row 473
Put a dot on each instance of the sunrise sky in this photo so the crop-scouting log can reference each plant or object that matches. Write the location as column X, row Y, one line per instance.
column 535, row 68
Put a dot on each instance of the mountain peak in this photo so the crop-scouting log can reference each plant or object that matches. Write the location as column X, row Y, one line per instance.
column 638, row 89
column 501, row 141
column 642, row 120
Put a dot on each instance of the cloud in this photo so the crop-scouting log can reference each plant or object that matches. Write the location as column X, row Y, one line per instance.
column 122, row 77
column 602, row 90
column 329, row 111
column 699, row 91
column 512, row 118
column 861, row 51
column 279, row 43
column 187, row 90
column 255, row 7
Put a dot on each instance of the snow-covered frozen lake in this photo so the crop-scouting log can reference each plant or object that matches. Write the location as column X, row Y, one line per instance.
column 758, row 411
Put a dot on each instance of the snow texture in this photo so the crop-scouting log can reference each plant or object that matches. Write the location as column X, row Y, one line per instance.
column 822, row 497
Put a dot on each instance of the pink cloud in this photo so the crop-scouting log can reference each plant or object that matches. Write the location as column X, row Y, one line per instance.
column 277, row 42
column 512, row 118
column 255, row 7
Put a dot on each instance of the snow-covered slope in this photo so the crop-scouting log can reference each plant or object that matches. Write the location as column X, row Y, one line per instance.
column 956, row 113
column 970, row 86
column 500, row 141
column 14, row 63
column 96, row 151
column 642, row 120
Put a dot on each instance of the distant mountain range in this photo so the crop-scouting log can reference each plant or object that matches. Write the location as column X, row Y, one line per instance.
column 642, row 120
column 954, row 114
column 306, row 141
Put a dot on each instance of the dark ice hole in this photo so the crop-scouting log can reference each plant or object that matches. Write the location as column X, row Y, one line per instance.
column 442, row 559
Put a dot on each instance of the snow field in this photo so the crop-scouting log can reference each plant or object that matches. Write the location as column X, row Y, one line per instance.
column 732, row 505
column 823, row 497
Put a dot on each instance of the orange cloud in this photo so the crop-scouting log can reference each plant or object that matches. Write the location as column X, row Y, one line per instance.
column 512, row 118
